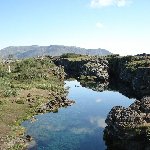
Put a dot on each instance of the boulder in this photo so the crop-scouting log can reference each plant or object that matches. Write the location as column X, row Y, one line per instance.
column 129, row 123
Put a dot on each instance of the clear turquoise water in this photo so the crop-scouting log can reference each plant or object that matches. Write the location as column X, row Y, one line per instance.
column 78, row 127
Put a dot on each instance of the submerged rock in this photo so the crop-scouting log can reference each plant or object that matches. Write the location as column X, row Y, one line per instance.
column 54, row 105
column 28, row 138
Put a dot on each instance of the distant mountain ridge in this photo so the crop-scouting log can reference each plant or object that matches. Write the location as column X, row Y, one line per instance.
column 52, row 50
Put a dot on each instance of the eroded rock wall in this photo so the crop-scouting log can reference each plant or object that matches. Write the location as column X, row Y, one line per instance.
column 132, row 70
column 94, row 68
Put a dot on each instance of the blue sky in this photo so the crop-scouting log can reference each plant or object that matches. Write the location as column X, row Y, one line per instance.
column 121, row 26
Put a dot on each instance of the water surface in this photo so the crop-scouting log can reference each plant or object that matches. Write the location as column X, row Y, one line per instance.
column 79, row 127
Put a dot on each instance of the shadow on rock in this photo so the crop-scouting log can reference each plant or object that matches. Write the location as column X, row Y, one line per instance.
column 127, row 145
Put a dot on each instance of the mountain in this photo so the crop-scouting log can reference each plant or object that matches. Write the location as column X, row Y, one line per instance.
column 53, row 50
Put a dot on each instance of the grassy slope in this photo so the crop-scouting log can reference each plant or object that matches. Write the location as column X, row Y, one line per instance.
column 34, row 76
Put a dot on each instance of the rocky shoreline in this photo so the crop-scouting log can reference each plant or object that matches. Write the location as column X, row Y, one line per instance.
column 129, row 124
column 132, row 70
column 35, row 86
column 122, row 123
column 53, row 105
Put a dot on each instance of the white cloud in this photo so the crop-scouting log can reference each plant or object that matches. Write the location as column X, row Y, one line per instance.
column 101, row 3
column 104, row 3
column 99, row 25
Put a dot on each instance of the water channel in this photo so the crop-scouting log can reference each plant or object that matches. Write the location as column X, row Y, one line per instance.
column 78, row 127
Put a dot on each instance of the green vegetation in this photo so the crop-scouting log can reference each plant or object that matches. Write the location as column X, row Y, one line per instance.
column 70, row 55
column 74, row 57
column 128, row 64
column 133, row 65
column 30, row 83
column 27, row 84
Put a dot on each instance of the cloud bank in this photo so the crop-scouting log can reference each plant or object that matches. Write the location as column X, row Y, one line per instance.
column 105, row 3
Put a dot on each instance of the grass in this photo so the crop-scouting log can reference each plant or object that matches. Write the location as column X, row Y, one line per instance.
column 134, row 65
column 40, row 78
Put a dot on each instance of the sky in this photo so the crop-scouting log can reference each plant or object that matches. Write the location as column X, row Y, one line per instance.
column 120, row 26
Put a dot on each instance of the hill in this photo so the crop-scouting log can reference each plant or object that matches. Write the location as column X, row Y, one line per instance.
column 52, row 50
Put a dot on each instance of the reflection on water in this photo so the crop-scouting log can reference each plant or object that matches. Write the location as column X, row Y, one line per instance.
column 112, row 85
column 79, row 127
column 100, row 122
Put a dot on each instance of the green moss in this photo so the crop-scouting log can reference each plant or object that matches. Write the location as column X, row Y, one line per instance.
column 17, row 147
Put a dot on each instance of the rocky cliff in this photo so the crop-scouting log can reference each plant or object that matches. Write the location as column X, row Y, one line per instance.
column 90, row 68
column 124, row 125
column 129, row 128
column 132, row 70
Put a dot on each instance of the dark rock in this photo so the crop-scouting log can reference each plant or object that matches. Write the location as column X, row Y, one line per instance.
column 94, row 68
column 134, row 71
column 130, row 123
column 141, row 82
column 54, row 105
column 28, row 138
column 29, row 95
